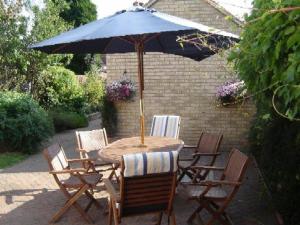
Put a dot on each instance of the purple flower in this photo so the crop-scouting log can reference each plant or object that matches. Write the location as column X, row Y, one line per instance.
column 120, row 90
column 230, row 90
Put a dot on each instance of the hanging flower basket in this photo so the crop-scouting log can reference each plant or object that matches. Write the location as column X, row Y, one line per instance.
column 123, row 89
column 231, row 92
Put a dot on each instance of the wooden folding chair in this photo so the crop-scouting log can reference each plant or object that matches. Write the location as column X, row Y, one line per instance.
column 207, row 148
column 88, row 145
column 72, row 182
column 147, row 185
column 215, row 195
column 165, row 126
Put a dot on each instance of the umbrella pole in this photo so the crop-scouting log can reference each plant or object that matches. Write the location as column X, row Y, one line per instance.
column 139, row 46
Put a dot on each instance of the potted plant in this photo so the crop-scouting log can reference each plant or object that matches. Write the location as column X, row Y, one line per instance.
column 123, row 89
column 231, row 92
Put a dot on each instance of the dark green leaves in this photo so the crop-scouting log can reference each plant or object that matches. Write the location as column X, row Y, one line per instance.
column 269, row 53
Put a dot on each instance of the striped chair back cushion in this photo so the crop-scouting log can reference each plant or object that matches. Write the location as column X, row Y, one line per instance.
column 148, row 182
column 165, row 126
column 92, row 140
column 150, row 163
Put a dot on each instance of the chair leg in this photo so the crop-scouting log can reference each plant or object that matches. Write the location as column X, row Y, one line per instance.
column 72, row 201
column 159, row 218
column 93, row 200
column 115, row 212
column 173, row 219
column 195, row 213
column 216, row 215
column 110, row 213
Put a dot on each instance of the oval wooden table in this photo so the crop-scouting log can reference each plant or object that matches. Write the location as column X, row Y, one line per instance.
column 114, row 151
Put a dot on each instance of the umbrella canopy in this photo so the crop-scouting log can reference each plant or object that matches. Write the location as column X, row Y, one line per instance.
column 138, row 30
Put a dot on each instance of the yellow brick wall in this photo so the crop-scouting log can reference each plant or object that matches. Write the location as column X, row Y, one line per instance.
column 181, row 86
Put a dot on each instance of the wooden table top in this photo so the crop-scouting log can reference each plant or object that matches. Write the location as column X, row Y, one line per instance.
column 114, row 151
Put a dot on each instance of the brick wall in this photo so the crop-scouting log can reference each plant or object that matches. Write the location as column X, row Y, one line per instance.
column 181, row 86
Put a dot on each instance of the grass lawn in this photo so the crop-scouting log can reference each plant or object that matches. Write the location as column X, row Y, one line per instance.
column 10, row 158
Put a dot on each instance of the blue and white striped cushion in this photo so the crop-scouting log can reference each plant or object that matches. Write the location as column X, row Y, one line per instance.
column 165, row 126
column 150, row 163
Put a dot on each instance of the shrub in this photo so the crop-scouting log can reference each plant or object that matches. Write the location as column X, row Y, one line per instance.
column 58, row 87
column 109, row 117
column 267, row 58
column 24, row 124
column 275, row 143
column 64, row 120
column 94, row 91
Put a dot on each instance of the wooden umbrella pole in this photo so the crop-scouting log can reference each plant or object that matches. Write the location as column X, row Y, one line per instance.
column 140, row 51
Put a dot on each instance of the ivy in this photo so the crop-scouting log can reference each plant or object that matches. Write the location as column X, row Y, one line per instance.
column 269, row 53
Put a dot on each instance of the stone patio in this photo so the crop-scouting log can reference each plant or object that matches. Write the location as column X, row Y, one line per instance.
column 29, row 195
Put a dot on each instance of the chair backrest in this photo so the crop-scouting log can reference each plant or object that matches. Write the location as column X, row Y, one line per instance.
column 236, row 166
column 56, row 157
column 165, row 126
column 91, row 140
column 148, row 182
column 209, row 143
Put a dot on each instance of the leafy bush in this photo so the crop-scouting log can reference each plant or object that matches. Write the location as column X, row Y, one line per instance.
column 109, row 117
column 268, row 60
column 58, row 87
column 275, row 143
column 24, row 124
column 94, row 91
column 20, row 65
column 64, row 120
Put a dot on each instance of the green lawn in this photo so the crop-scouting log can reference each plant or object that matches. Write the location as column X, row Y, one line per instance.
column 10, row 158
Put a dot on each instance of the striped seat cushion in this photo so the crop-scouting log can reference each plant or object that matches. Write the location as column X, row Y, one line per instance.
column 150, row 163
column 165, row 126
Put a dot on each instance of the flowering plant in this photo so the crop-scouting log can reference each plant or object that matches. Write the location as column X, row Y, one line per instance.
column 231, row 92
column 121, row 90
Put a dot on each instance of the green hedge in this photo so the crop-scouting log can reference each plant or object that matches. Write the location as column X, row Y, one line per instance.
column 58, row 87
column 64, row 120
column 94, row 91
column 24, row 125
column 275, row 143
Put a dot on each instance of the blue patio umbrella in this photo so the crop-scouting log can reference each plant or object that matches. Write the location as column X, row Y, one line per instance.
column 138, row 30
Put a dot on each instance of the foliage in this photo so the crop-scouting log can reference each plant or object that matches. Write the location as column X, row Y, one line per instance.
column 58, row 87
column 10, row 158
column 109, row 117
column 231, row 91
column 79, row 12
column 268, row 55
column 121, row 90
column 268, row 60
column 20, row 66
column 275, row 143
column 94, row 91
column 64, row 120
column 24, row 124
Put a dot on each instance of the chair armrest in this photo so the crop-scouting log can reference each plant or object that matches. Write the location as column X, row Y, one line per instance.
column 206, row 154
column 208, row 168
column 219, row 182
column 213, row 183
column 111, row 190
column 189, row 146
column 185, row 159
column 68, row 171
column 81, row 160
